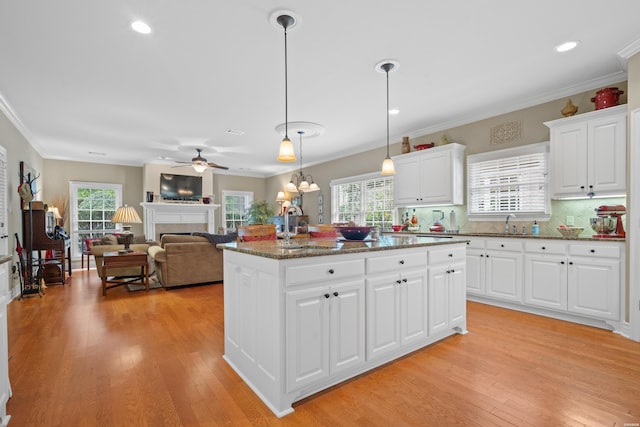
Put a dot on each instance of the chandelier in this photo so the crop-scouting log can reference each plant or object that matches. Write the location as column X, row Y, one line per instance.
column 300, row 182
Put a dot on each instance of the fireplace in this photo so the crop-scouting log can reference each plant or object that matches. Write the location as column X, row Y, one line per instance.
column 163, row 218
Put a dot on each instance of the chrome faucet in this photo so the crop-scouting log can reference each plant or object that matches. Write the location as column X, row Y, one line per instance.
column 506, row 223
column 286, row 234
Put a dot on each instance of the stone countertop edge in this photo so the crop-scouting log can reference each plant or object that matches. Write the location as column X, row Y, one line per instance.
column 512, row 236
column 323, row 247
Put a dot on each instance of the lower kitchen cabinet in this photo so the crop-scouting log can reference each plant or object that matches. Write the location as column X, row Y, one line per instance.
column 447, row 280
column 325, row 331
column 495, row 268
column 545, row 274
column 594, row 287
column 396, row 303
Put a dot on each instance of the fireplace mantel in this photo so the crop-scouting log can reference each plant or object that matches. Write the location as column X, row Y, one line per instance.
column 177, row 213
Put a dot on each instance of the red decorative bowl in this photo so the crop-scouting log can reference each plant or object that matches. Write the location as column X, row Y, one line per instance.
column 423, row 146
column 397, row 227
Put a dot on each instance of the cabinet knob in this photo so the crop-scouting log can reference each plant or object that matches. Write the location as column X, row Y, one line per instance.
column 453, row 270
column 593, row 251
column 570, row 262
column 487, row 255
column 590, row 187
column 404, row 280
column 331, row 271
column 402, row 262
column 468, row 243
column 335, row 294
column 582, row 187
column 562, row 262
column 502, row 245
column 481, row 255
column 450, row 255
column 327, row 295
column 543, row 248
column 398, row 281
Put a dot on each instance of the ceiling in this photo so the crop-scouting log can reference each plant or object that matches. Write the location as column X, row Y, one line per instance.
column 81, row 85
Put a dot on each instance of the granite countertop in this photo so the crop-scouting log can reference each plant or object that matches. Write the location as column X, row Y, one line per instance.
column 303, row 248
column 554, row 236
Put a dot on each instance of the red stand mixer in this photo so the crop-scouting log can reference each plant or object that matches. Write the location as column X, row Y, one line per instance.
column 608, row 223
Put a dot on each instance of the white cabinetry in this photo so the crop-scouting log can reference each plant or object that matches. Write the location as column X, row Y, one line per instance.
column 325, row 331
column 447, row 281
column 588, row 154
column 396, row 301
column 496, row 270
column 430, row 177
column 545, row 276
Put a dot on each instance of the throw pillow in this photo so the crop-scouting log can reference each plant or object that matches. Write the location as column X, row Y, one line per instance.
column 214, row 239
column 109, row 239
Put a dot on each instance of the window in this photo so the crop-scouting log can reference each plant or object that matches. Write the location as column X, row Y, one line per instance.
column 92, row 206
column 509, row 181
column 364, row 199
column 234, row 208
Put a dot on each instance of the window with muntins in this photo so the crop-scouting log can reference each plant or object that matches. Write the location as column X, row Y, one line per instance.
column 364, row 199
column 234, row 208
column 513, row 180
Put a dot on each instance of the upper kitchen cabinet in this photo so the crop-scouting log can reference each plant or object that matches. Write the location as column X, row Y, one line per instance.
column 430, row 177
column 588, row 154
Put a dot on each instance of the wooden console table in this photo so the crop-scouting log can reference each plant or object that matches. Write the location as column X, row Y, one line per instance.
column 119, row 260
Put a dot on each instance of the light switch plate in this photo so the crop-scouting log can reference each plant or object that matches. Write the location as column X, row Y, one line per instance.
column 570, row 221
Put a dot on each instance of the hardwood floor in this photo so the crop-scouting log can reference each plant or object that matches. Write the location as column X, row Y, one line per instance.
column 155, row 359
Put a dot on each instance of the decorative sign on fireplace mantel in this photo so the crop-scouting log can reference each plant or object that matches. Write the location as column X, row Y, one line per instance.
column 177, row 213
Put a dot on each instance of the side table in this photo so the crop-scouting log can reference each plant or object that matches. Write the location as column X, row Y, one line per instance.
column 120, row 260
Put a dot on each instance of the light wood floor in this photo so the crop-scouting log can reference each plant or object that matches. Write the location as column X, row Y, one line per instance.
column 155, row 359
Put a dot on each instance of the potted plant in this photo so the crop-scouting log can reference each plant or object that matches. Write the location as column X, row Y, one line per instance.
column 260, row 212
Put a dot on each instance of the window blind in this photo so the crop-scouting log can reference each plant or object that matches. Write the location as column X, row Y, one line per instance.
column 510, row 184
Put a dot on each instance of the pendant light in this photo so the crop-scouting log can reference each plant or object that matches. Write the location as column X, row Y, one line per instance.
column 387, row 164
column 286, row 153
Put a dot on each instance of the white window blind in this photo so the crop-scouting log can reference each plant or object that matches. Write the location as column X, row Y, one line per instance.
column 509, row 181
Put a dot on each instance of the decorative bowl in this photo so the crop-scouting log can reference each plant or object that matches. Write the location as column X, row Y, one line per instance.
column 570, row 231
column 397, row 227
column 423, row 146
column 355, row 233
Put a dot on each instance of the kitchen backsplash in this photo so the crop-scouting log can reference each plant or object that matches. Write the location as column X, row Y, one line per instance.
column 581, row 210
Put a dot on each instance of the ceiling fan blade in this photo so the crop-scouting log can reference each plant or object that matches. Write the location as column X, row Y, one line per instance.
column 213, row 165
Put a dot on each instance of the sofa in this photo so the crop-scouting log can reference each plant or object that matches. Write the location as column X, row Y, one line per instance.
column 113, row 243
column 182, row 260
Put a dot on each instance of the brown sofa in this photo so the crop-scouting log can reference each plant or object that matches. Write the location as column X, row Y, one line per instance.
column 111, row 243
column 188, row 260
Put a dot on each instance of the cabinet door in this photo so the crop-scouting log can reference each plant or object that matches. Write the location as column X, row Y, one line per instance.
column 414, row 323
column 475, row 272
column 436, row 178
column 569, row 154
column 347, row 325
column 607, row 155
column 406, row 184
column 383, row 315
column 457, row 292
column 307, row 334
column 438, row 299
column 545, row 281
column 594, row 287
column 504, row 275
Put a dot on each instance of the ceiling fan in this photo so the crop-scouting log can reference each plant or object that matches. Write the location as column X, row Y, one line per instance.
column 200, row 164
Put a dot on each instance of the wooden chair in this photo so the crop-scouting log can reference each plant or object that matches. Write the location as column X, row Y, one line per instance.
column 86, row 250
column 251, row 233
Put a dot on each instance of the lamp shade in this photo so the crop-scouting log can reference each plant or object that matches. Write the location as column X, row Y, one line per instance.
column 286, row 153
column 126, row 215
column 387, row 167
column 280, row 197
column 56, row 212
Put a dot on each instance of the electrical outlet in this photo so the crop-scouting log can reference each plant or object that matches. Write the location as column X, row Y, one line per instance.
column 570, row 221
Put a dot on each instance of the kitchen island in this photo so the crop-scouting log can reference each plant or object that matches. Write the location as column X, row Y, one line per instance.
column 302, row 317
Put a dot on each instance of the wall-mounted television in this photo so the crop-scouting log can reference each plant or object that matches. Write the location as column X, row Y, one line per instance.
column 180, row 187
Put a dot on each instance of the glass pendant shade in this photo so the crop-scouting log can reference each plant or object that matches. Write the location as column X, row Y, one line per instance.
column 304, row 186
column 387, row 167
column 291, row 187
column 286, row 151
column 199, row 168
column 313, row 187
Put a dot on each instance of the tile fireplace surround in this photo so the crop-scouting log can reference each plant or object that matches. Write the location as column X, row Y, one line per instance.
column 165, row 217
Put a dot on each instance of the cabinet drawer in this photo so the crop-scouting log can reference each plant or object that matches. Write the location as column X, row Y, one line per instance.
column 395, row 262
column 439, row 256
column 546, row 247
column 585, row 249
column 475, row 243
column 504, row 245
column 319, row 273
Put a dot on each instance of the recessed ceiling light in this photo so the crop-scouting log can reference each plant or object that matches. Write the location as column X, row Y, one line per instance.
column 394, row 111
column 140, row 27
column 234, row 131
column 567, row 46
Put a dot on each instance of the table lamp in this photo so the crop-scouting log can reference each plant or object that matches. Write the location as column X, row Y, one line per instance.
column 280, row 199
column 126, row 215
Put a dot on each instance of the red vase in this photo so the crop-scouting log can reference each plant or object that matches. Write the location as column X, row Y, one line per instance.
column 607, row 97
